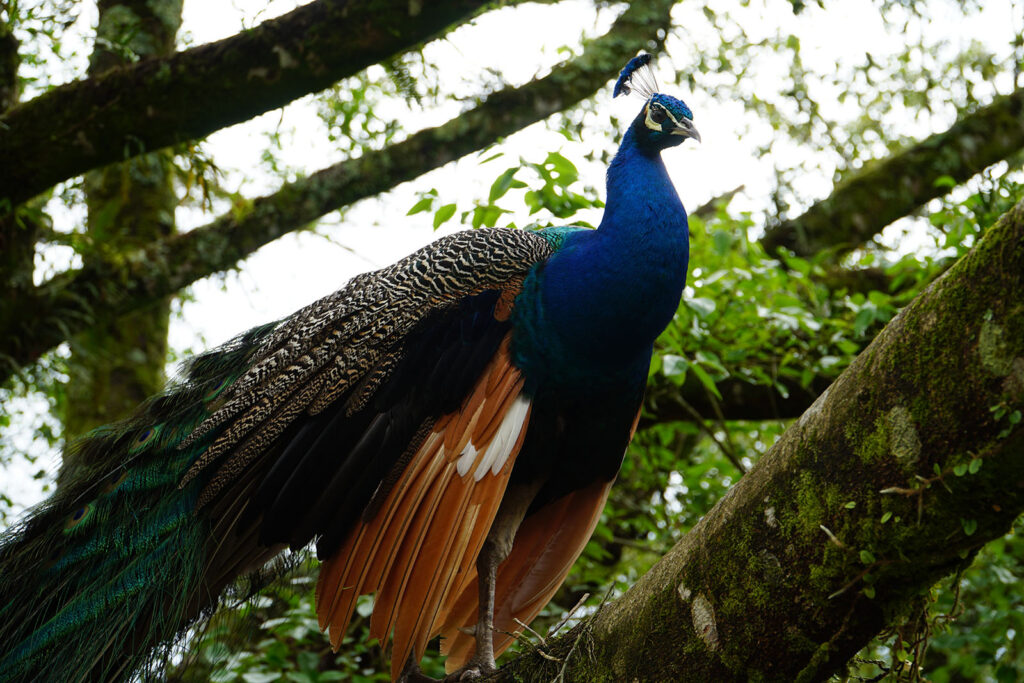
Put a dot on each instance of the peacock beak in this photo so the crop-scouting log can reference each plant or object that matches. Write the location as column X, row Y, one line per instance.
column 686, row 128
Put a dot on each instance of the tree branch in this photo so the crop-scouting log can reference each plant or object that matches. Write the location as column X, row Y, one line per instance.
column 741, row 400
column 32, row 324
column 894, row 478
column 862, row 206
column 160, row 102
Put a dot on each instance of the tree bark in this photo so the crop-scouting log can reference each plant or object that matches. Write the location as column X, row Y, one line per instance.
column 10, row 60
column 894, row 478
column 162, row 101
column 18, row 230
column 883, row 191
column 117, row 363
column 112, row 287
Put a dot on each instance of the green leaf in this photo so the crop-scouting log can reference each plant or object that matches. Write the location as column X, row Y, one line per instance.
column 850, row 505
column 866, row 557
column 960, row 470
column 674, row 365
column 701, row 305
column 886, row 516
column 969, row 525
column 502, row 184
column 565, row 169
column 308, row 661
column 865, row 317
column 422, row 205
column 261, row 676
column 974, row 466
column 722, row 241
column 443, row 214
column 798, row 264
column 868, row 591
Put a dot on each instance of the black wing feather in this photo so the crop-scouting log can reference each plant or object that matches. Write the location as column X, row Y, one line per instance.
column 331, row 464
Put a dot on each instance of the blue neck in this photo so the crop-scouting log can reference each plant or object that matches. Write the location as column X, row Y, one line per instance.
column 641, row 197
column 605, row 295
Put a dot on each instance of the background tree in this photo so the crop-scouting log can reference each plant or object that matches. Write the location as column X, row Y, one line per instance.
column 791, row 279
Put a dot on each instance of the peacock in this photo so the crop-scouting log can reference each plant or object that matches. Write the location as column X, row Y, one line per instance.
column 444, row 430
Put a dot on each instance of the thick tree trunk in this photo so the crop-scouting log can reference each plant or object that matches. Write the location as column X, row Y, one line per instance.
column 895, row 477
column 117, row 363
column 18, row 230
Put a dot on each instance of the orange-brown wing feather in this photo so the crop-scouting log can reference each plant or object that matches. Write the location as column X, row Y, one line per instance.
column 420, row 548
column 545, row 548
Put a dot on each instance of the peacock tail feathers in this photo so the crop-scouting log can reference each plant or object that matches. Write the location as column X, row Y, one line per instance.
column 115, row 559
column 152, row 522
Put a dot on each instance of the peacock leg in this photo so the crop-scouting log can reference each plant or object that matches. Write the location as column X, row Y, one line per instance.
column 496, row 548
column 491, row 555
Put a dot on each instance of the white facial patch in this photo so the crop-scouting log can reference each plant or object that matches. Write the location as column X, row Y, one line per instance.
column 652, row 124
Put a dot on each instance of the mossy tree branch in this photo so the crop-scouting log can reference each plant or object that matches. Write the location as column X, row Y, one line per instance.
column 18, row 232
column 162, row 101
column 893, row 479
column 10, row 60
column 886, row 190
column 115, row 365
column 102, row 289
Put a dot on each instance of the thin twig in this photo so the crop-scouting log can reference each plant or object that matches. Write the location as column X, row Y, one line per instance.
column 526, row 627
column 831, row 536
column 560, row 678
column 726, row 450
column 568, row 615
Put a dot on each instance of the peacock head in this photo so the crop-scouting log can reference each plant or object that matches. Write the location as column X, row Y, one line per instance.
column 665, row 121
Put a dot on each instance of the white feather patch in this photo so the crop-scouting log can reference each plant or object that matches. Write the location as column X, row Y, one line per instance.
column 497, row 452
column 466, row 460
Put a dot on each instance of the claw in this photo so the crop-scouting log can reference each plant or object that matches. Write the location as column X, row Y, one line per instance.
column 412, row 674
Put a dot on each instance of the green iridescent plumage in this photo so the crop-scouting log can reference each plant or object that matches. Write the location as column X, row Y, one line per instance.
column 116, row 556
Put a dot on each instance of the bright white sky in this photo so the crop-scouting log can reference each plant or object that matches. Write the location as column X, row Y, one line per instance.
column 297, row 269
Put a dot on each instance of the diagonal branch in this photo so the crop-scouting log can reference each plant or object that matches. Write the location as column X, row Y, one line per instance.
column 741, row 400
column 887, row 190
column 893, row 479
column 36, row 322
column 160, row 102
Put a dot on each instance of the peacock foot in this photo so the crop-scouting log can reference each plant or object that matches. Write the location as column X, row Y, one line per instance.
column 476, row 669
column 412, row 674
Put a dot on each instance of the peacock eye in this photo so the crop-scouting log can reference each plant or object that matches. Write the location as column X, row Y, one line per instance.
column 658, row 115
